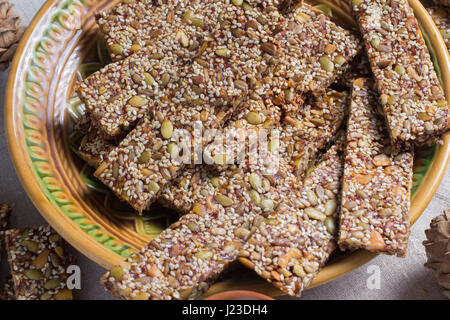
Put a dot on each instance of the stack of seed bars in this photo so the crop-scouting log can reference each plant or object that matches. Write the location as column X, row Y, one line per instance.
column 250, row 66
column 37, row 262
column 247, row 52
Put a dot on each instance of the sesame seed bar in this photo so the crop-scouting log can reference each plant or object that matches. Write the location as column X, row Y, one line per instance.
column 294, row 242
column 441, row 17
column 412, row 98
column 37, row 263
column 376, row 184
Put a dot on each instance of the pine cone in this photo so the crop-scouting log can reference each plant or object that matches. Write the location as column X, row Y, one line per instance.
column 10, row 33
column 437, row 247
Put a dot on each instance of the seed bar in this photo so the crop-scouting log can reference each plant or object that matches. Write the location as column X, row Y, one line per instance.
column 314, row 51
column 37, row 263
column 376, row 184
column 412, row 98
column 295, row 241
column 441, row 17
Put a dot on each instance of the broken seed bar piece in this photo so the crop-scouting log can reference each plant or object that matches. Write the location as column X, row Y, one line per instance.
column 94, row 147
column 441, row 17
column 291, row 245
column 37, row 263
column 412, row 98
column 376, row 184
column 121, row 93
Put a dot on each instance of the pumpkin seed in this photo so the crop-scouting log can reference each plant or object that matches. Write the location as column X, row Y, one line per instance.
column 330, row 224
column 326, row 64
column 399, row 69
column 298, row 271
column 173, row 150
column 193, row 226
column 166, row 129
column 242, row 233
column 218, row 231
column 224, row 52
column 138, row 101
column 215, row 182
column 64, row 294
column 312, row 197
column 204, row 254
column 254, row 118
column 315, row 214
column 256, row 198
column 33, row 274
column 145, row 156
column 197, row 22
column 330, row 207
column 30, row 245
column 116, row 48
column 41, row 259
column 224, row 200
column 267, row 204
column 255, row 181
column 153, row 186
column 52, row 284
column 356, row 2
column 149, row 80
column 238, row 2
column 375, row 41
